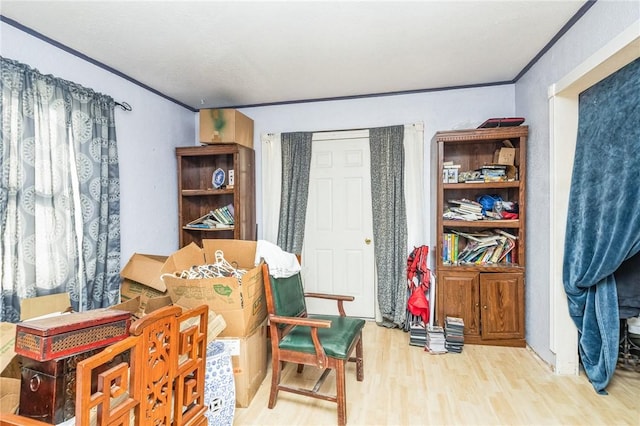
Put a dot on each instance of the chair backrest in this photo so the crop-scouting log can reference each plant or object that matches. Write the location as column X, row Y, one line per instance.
column 285, row 296
column 155, row 376
column 163, row 381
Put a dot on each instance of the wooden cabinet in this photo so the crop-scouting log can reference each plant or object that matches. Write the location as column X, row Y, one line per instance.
column 197, row 195
column 485, row 290
column 491, row 305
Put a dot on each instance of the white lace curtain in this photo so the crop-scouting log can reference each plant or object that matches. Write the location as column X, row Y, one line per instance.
column 59, row 193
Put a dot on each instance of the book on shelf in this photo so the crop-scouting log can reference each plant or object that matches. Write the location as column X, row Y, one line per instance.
column 224, row 214
column 220, row 218
column 480, row 248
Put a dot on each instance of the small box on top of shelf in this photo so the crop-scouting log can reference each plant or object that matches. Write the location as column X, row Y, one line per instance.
column 225, row 126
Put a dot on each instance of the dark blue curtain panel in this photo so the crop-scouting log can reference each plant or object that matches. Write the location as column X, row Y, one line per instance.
column 603, row 225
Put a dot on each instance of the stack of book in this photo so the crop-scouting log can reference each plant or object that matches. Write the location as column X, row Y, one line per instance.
column 485, row 248
column 435, row 340
column 463, row 209
column 417, row 334
column 454, row 334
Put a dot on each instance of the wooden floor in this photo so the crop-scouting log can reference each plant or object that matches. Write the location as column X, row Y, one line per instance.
column 484, row 385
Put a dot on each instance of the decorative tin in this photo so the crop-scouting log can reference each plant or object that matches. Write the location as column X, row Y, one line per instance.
column 72, row 333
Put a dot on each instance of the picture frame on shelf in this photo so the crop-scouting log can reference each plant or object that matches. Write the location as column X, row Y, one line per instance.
column 452, row 175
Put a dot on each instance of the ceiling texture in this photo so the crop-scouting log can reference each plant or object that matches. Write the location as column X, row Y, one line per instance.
column 204, row 54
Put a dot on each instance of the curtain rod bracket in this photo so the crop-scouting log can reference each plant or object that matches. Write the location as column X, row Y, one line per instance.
column 125, row 106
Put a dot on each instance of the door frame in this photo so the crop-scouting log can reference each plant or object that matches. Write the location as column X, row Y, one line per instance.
column 563, row 111
column 341, row 135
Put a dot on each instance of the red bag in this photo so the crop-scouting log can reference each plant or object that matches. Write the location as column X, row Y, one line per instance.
column 418, row 304
column 417, row 269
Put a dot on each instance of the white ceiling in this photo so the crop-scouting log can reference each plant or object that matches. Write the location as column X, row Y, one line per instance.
column 240, row 53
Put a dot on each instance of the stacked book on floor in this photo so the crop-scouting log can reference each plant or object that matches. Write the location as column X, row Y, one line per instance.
column 435, row 340
column 417, row 334
column 454, row 334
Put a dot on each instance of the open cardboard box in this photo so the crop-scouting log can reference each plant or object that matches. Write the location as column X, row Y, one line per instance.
column 242, row 304
column 141, row 281
column 10, row 369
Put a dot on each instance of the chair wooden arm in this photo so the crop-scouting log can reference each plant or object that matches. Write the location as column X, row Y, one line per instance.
column 337, row 297
column 16, row 420
column 309, row 322
column 330, row 296
column 314, row 324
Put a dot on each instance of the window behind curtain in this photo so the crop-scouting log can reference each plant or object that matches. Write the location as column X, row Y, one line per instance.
column 59, row 193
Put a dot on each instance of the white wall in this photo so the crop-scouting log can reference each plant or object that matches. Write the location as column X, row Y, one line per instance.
column 146, row 136
column 604, row 21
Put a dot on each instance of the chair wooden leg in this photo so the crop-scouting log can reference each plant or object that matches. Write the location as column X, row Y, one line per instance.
column 276, row 369
column 359, row 360
column 341, row 393
column 300, row 368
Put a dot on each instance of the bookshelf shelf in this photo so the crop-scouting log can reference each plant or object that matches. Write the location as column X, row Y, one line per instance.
column 487, row 290
column 201, row 192
column 191, row 228
column 197, row 197
column 481, row 185
column 485, row 224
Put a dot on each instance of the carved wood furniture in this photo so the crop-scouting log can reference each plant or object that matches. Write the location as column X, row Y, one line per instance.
column 323, row 341
column 161, row 384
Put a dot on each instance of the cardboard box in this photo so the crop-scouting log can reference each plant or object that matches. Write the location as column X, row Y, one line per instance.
column 137, row 309
column 225, row 126
column 242, row 305
column 9, row 369
column 37, row 306
column 249, row 359
column 505, row 156
column 141, row 279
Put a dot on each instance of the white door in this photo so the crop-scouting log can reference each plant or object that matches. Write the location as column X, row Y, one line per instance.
column 338, row 255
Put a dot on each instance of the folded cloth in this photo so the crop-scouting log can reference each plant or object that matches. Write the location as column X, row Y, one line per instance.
column 281, row 263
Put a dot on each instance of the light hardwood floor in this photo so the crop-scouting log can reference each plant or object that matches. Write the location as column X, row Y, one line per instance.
column 484, row 385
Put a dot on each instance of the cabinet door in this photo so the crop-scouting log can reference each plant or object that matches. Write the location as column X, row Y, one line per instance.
column 502, row 301
column 458, row 297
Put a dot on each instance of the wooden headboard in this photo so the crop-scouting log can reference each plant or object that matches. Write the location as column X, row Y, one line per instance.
column 159, row 380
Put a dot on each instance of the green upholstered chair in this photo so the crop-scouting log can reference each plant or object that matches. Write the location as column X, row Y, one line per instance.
column 323, row 341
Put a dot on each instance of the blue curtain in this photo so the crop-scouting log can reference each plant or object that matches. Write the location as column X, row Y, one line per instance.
column 59, row 193
column 603, row 225
column 296, row 164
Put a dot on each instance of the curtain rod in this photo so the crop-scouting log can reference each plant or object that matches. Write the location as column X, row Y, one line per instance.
column 418, row 124
column 125, row 106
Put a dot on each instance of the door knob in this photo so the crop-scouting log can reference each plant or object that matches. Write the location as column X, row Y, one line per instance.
column 367, row 241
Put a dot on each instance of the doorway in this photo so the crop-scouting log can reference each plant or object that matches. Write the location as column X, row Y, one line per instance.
column 563, row 108
column 338, row 251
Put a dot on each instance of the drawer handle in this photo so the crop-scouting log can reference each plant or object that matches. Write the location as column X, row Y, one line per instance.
column 34, row 383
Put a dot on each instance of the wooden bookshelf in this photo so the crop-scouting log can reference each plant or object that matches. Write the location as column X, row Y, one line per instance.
column 488, row 296
column 197, row 196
